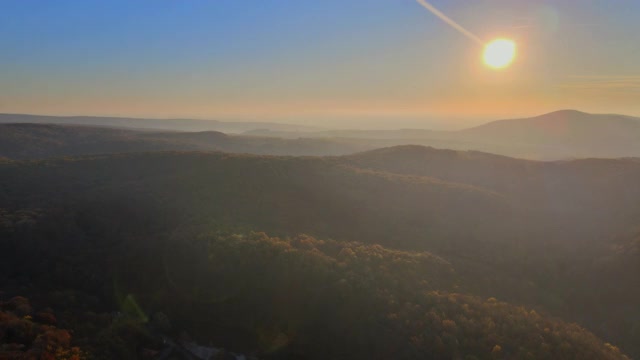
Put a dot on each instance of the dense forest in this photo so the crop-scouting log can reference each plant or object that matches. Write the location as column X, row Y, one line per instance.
column 410, row 252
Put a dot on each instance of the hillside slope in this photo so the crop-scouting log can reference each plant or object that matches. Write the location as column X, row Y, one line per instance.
column 472, row 210
column 36, row 141
column 277, row 194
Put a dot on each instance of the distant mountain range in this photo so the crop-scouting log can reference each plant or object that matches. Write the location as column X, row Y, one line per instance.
column 558, row 135
column 33, row 141
column 231, row 127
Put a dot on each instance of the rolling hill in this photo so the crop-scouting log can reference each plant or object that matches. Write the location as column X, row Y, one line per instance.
column 34, row 141
column 565, row 134
column 537, row 234
column 570, row 126
column 193, row 125
column 558, row 135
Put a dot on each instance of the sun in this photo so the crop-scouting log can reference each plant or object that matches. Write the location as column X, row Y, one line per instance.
column 499, row 53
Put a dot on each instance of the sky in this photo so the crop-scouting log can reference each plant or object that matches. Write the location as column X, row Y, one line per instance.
column 328, row 63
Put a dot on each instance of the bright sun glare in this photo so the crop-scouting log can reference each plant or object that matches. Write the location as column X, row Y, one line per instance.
column 499, row 53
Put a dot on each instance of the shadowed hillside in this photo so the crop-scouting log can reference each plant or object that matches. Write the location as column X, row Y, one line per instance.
column 532, row 233
column 580, row 193
column 279, row 195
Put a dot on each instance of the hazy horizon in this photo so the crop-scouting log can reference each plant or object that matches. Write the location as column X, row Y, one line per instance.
column 341, row 123
column 325, row 123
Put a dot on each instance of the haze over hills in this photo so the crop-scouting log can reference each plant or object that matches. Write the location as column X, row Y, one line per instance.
column 33, row 141
column 566, row 131
column 564, row 124
column 560, row 135
column 556, row 135
column 230, row 127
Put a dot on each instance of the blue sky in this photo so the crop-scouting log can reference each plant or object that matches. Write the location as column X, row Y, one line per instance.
column 383, row 63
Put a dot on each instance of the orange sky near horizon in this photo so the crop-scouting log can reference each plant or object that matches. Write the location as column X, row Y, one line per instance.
column 379, row 64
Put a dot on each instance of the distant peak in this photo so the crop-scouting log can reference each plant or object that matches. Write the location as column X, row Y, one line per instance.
column 567, row 112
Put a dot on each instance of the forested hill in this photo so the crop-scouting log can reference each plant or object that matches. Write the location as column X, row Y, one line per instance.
column 37, row 141
column 546, row 235
column 281, row 195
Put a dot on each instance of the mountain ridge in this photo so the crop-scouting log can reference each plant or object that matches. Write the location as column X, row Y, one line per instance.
column 563, row 134
column 175, row 124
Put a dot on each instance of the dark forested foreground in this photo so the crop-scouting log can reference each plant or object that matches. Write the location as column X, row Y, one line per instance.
column 411, row 252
